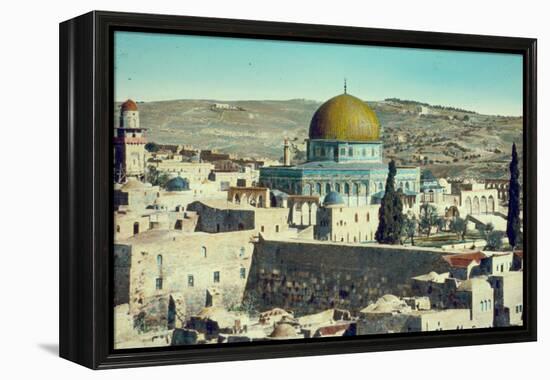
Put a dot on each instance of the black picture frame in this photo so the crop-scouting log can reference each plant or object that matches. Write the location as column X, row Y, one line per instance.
column 86, row 114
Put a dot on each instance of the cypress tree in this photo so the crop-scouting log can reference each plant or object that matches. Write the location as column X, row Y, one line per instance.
column 514, row 224
column 390, row 214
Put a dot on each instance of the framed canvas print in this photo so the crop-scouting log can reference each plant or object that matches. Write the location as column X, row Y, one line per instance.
column 238, row 189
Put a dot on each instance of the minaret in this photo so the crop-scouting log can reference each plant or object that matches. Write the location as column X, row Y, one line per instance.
column 286, row 153
column 129, row 144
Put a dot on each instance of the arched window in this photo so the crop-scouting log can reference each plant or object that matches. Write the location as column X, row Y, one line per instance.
column 159, row 261
column 117, row 228
column 475, row 206
column 136, row 228
column 356, row 218
column 491, row 204
column 203, row 251
column 318, row 188
column 338, row 188
column 481, row 306
column 355, row 189
column 468, row 204
column 327, row 188
column 368, row 216
column 346, row 188
column 407, row 186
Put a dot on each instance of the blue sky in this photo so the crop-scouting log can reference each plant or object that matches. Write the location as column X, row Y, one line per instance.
column 152, row 67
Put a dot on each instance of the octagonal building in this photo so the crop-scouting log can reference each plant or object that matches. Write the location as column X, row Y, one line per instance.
column 344, row 155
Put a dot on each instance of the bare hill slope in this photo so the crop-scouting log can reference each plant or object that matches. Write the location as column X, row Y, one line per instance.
column 451, row 142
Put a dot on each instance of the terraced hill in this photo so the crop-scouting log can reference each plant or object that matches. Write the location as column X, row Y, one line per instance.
column 450, row 141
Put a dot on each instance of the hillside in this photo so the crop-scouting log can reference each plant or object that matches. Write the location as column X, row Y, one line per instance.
column 451, row 142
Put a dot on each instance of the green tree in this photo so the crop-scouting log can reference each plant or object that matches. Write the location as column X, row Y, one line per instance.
column 410, row 226
column 459, row 227
column 390, row 214
column 151, row 174
column 485, row 229
column 152, row 147
column 428, row 218
column 441, row 223
column 513, row 228
column 156, row 178
column 494, row 241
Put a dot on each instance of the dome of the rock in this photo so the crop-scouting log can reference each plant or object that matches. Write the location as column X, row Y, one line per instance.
column 345, row 117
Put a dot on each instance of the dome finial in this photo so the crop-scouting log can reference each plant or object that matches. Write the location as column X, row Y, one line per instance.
column 345, row 86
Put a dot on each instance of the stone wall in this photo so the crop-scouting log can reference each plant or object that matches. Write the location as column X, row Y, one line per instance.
column 216, row 220
column 308, row 277
column 122, row 265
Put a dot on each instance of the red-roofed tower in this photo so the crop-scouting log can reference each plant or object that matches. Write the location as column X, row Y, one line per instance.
column 129, row 144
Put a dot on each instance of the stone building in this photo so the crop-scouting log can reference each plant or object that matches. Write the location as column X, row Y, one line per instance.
column 196, row 172
column 430, row 189
column 478, row 201
column 303, row 208
column 465, row 265
column 496, row 263
column 508, row 288
column 134, row 194
column 344, row 154
column 224, row 216
column 474, row 294
column 159, row 264
column 389, row 314
column 230, row 178
column 501, row 185
column 340, row 223
column 254, row 196
column 140, row 207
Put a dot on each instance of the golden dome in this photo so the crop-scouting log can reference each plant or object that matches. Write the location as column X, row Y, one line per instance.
column 345, row 117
